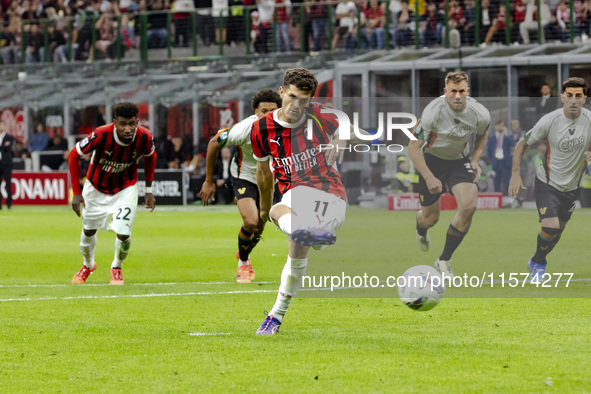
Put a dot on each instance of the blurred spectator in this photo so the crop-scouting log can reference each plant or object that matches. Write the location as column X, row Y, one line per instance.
column 20, row 151
column 224, row 193
column 563, row 20
column 127, row 32
column 374, row 25
column 181, row 154
column 530, row 22
column 106, row 39
column 496, row 31
column 219, row 11
column 58, row 143
column 486, row 21
column 501, row 159
column 283, row 8
column 456, row 19
column 430, row 26
column 164, row 151
column 157, row 33
column 403, row 181
column 547, row 103
column 346, row 21
column 182, row 22
column 39, row 140
column 11, row 42
column 235, row 22
column 205, row 21
column 467, row 33
column 265, row 9
column 318, row 13
column 403, row 34
column 101, row 116
column 55, row 39
column 33, row 41
column 516, row 132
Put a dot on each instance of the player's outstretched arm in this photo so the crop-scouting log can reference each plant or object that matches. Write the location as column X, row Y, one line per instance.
column 516, row 183
column 208, row 189
column 479, row 149
column 74, row 166
column 416, row 155
column 149, row 168
column 265, row 184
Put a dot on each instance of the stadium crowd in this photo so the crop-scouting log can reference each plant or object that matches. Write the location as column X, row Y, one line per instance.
column 297, row 25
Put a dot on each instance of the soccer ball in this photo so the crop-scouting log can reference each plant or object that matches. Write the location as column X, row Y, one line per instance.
column 421, row 287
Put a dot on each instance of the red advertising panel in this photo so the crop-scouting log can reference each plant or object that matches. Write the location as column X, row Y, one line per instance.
column 411, row 202
column 38, row 188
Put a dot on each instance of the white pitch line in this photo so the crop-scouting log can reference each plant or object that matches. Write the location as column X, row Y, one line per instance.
column 204, row 334
column 129, row 284
column 150, row 295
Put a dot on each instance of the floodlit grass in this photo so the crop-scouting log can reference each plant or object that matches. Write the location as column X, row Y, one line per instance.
column 181, row 324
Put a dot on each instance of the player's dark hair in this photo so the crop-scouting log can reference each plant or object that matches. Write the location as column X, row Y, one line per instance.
column 575, row 82
column 266, row 96
column 456, row 77
column 302, row 79
column 125, row 110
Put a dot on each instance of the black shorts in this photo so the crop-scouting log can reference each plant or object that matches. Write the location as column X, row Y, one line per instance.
column 552, row 203
column 245, row 189
column 449, row 172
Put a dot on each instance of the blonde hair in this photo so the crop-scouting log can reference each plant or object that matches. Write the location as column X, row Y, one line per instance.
column 456, row 77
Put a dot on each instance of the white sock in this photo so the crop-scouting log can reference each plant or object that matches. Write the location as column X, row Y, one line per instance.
column 241, row 263
column 291, row 279
column 121, row 250
column 87, row 245
column 284, row 223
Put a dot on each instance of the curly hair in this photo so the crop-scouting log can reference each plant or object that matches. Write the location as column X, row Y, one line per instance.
column 125, row 110
column 302, row 79
column 456, row 77
column 575, row 82
column 266, row 96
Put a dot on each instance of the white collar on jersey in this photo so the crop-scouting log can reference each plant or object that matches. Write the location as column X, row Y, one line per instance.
column 117, row 137
column 288, row 125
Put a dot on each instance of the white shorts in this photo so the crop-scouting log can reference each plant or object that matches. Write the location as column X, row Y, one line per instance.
column 99, row 207
column 314, row 208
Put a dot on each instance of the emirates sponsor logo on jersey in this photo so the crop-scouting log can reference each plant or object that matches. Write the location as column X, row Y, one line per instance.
column 571, row 144
column 112, row 166
column 298, row 161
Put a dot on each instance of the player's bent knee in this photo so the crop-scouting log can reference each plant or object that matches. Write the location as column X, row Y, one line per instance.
column 430, row 220
column 468, row 210
column 250, row 224
column 122, row 237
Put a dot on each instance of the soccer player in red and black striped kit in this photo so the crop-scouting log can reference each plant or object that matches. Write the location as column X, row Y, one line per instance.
column 313, row 204
column 111, row 187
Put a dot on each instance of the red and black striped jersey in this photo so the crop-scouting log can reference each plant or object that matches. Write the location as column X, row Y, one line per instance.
column 113, row 164
column 296, row 159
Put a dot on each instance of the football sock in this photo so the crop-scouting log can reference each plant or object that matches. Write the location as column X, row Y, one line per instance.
column 422, row 231
column 547, row 239
column 87, row 245
column 244, row 246
column 452, row 241
column 121, row 251
column 291, row 279
column 284, row 223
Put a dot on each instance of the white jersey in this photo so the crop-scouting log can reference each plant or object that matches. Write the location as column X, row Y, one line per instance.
column 244, row 166
column 566, row 140
column 446, row 132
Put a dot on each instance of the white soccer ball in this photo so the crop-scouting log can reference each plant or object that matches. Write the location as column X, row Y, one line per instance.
column 421, row 287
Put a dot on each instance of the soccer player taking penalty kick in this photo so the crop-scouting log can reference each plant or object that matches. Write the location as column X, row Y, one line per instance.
column 567, row 134
column 441, row 156
column 111, row 190
column 244, row 182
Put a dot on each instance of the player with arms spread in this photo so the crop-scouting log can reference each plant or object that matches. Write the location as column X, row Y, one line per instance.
column 313, row 201
column 567, row 134
column 244, row 181
column 111, row 189
column 441, row 156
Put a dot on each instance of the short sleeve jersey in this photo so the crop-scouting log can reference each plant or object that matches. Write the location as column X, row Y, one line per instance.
column 243, row 166
column 297, row 159
column 446, row 132
column 566, row 141
column 113, row 164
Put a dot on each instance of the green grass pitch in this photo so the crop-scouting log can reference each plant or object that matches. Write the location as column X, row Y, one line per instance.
column 182, row 324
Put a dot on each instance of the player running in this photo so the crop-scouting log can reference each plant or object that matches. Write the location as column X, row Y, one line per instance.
column 111, row 190
column 243, row 176
column 567, row 134
column 313, row 201
column 441, row 156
